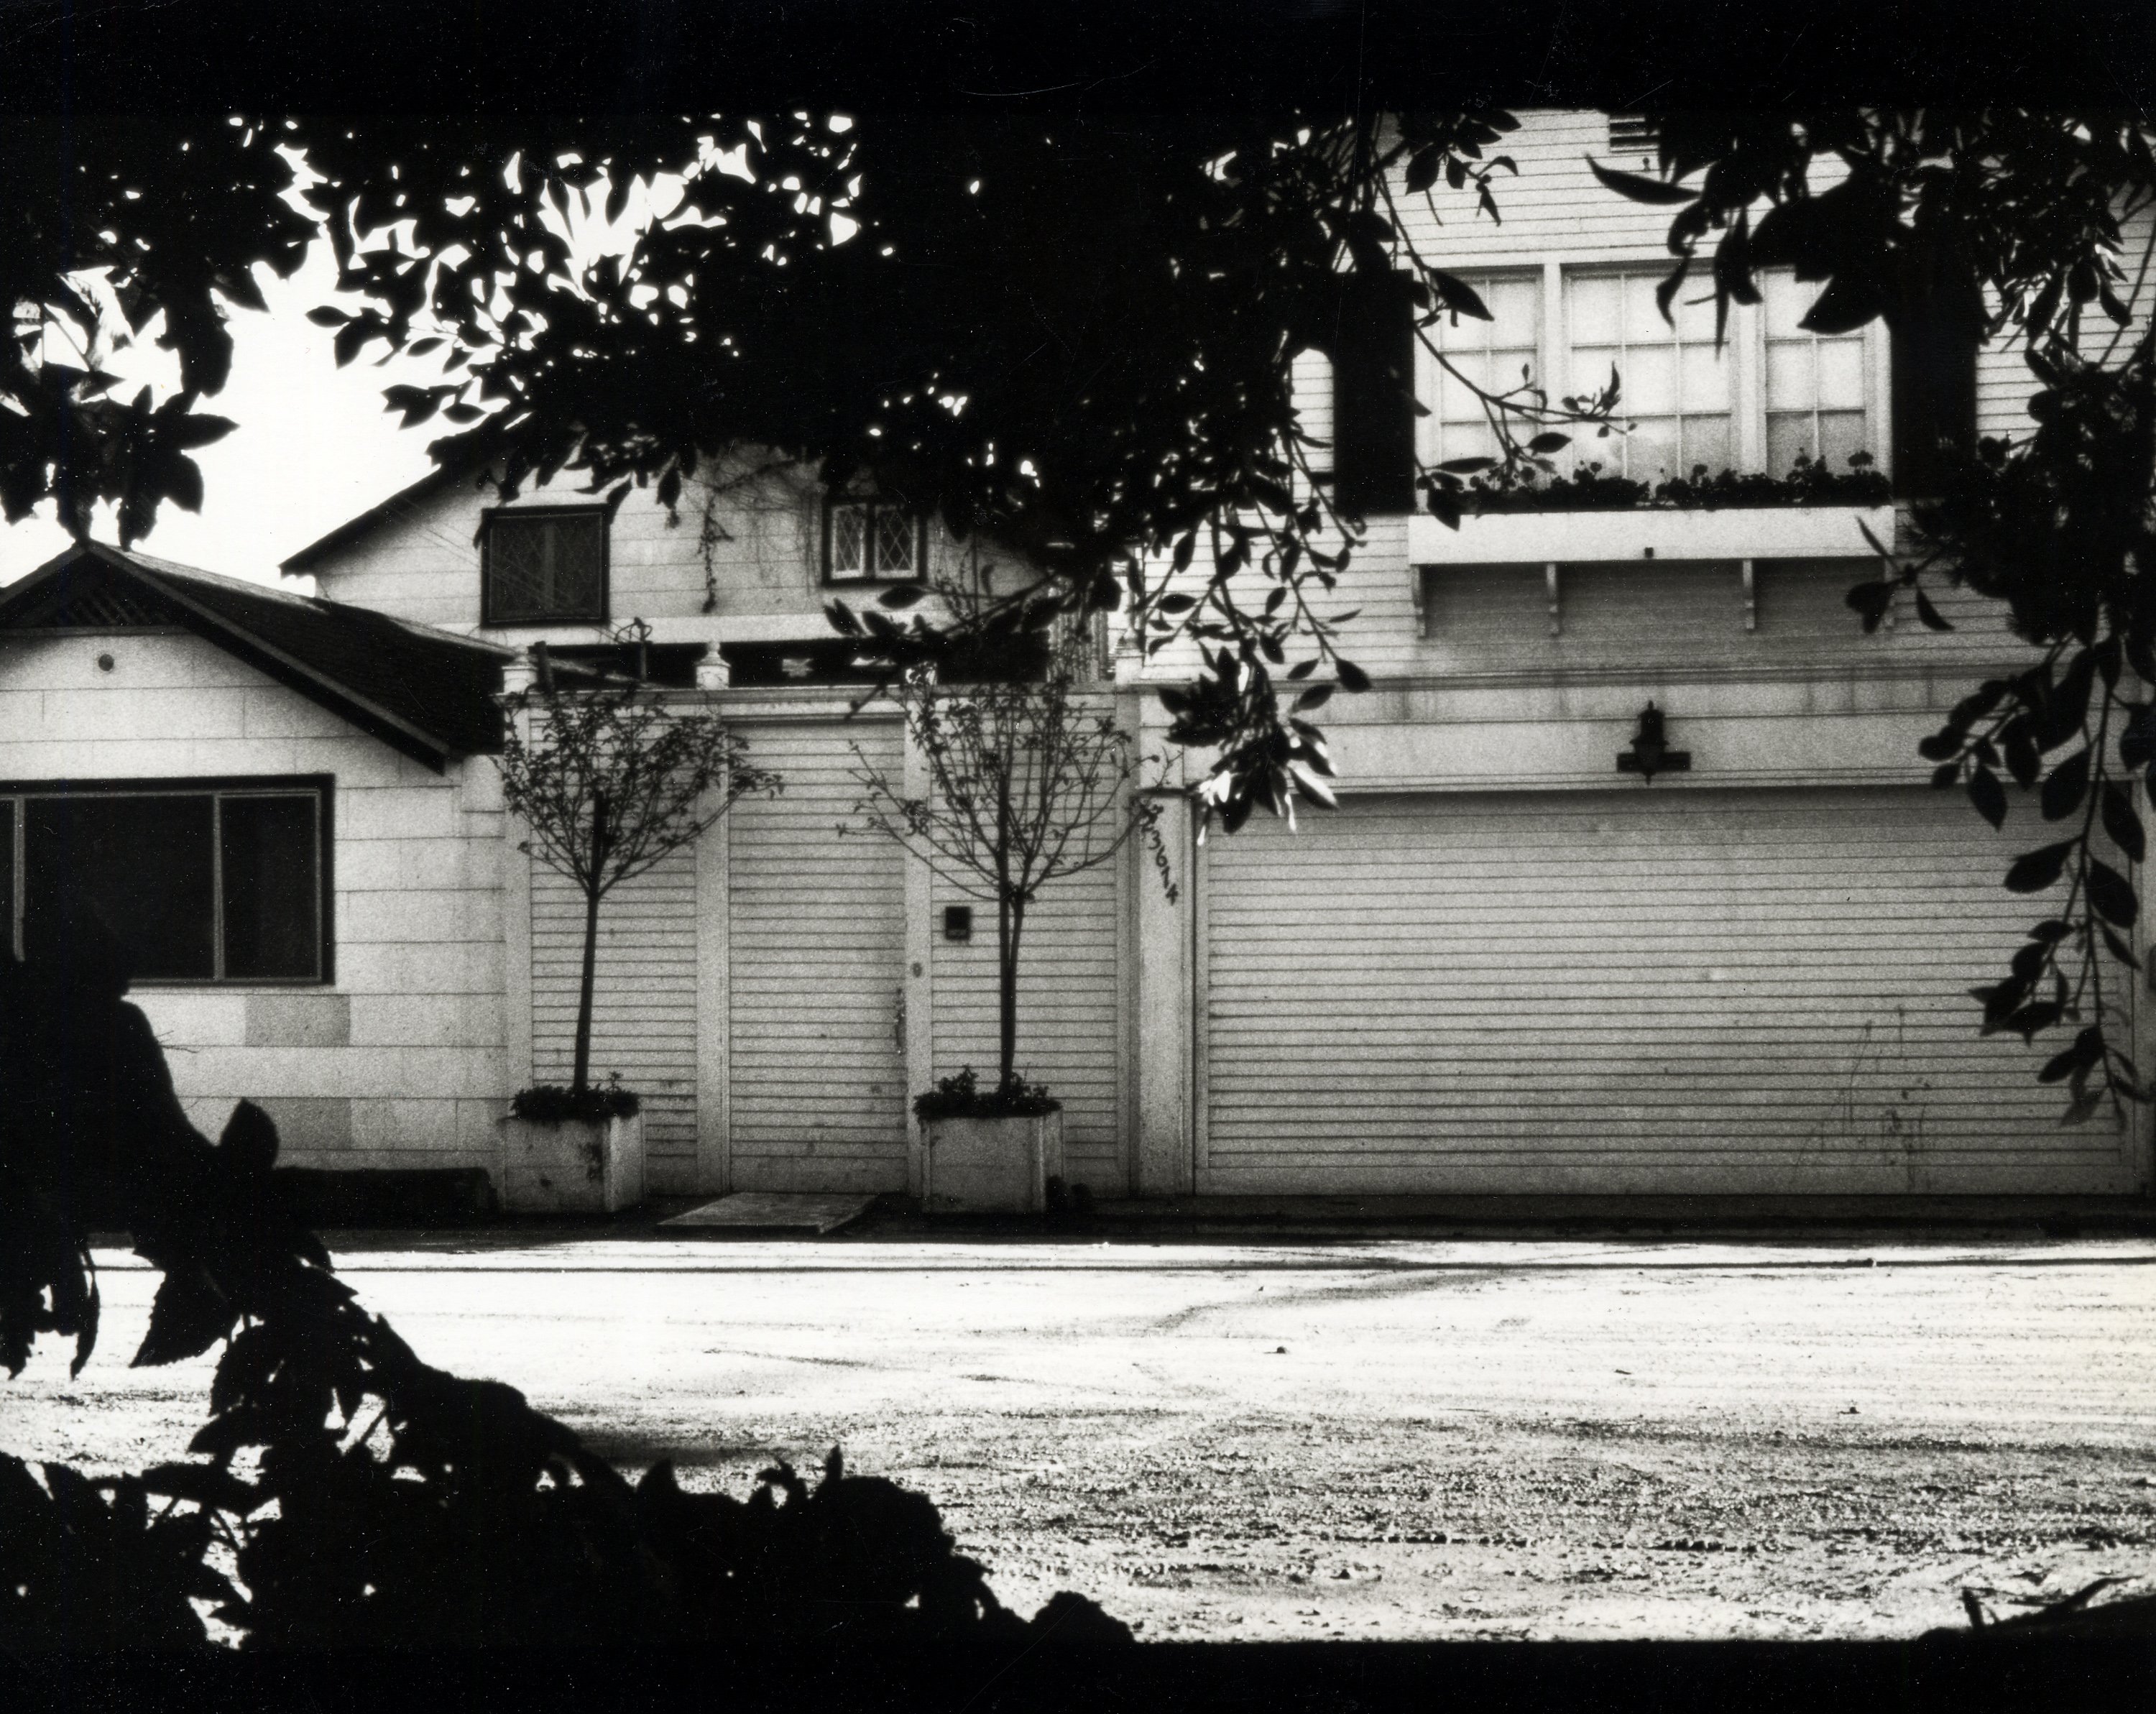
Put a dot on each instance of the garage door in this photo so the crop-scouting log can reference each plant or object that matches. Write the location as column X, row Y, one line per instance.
column 815, row 946
column 1686, row 991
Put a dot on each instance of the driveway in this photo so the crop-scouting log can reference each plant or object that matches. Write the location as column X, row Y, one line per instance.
column 1389, row 1440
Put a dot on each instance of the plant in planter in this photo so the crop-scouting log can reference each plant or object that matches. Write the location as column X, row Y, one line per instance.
column 1535, row 486
column 1028, row 784
column 610, row 778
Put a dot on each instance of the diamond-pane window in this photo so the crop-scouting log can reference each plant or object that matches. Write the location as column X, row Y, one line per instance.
column 546, row 566
column 894, row 538
column 868, row 539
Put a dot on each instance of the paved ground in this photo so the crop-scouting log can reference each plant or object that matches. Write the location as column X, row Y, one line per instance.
column 1381, row 1439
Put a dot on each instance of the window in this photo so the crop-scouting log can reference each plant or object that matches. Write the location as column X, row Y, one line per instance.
column 1309, row 381
column 867, row 539
column 544, row 567
column 1677, row 387
column 1499, row 355
column 200, row 882
column 1815, row 382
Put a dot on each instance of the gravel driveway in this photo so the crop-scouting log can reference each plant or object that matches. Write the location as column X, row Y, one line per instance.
column 1388, row 1439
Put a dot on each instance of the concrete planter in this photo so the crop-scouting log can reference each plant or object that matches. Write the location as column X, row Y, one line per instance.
column 572, row 1166
column 991, row 1166
column 1650, row 532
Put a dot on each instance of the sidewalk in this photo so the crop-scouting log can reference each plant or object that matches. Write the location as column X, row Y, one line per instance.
column 1301, row 1219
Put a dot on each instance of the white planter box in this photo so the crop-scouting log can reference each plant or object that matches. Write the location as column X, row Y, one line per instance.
column 1561, row 537
column 991, row 1166
column 572, row 1166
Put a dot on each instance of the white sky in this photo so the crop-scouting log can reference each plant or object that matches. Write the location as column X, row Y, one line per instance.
column 313, row 446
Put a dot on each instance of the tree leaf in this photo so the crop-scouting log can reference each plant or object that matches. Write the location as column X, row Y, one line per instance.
column 188, row 1316
column 1352, row 676
column 2087, row 1049
column 2066, row 787
column 1931, row 618
column 2123, row 823
column 1988, row 796
column 1639, row 188
column 1871, row 599
column 2038, row 869
column 1458, row 296
column 2111, row 895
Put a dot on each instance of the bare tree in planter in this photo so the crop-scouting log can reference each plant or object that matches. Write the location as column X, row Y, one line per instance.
column 1030, row 782
column 611, row 781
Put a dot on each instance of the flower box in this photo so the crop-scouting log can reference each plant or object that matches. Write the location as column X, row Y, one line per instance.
column 572, row 1166
column 1578, row 536
column 998, row 1166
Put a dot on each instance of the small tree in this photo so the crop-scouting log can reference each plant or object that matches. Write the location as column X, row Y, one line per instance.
column 610, row 781
column 1027, row 784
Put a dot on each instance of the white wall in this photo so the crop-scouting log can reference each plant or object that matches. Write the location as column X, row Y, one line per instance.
column 746, row 537
column 399, row 1061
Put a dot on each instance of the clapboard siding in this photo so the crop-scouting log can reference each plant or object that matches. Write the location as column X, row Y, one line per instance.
column 1674, row 614
column 1761, row 991
column 816, row 926
column 2003, row 382
column 1068, row 1011
column 746, row 538
column 643, row 999
column 1554, row 204
column 1623, row 615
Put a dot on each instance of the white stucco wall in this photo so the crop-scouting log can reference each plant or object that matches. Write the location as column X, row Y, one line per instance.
column 399, row 1061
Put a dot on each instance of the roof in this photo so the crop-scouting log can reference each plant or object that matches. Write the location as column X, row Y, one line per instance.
column 426, row 693
column 352, row 528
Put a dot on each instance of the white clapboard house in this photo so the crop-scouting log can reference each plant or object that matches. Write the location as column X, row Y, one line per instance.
column 1511, row 962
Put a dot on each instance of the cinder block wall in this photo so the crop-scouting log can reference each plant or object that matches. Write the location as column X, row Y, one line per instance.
column 400, row 1060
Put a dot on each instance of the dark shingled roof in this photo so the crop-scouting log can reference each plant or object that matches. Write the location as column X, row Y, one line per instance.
column 427, row 693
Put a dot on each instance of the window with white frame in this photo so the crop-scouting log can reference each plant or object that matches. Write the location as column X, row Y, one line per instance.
column 872, row 538
column 1677, row 387
column 1816, row 383
column 1309, row 381
column 1499, row 356
column 200, row 882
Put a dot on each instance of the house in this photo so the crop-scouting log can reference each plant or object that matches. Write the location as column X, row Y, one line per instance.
column 1531, row 953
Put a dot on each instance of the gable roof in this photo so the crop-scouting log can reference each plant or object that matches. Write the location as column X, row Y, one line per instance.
column 424, row 692
column 396, row 505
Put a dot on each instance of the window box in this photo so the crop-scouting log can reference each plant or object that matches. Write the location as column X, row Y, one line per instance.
column 1650, row 532
column 202, row 882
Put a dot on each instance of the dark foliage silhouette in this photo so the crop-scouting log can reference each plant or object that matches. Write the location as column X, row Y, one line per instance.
column 345, row 1492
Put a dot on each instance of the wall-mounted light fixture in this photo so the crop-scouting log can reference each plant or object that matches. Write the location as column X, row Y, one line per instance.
column 1650, row 753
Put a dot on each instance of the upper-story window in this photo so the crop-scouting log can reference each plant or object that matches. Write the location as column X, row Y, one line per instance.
column 544, row 566
column 1309, row 381
column 868, row 539
column 1500, row 355
column 1677, row 387
column 1816, row 383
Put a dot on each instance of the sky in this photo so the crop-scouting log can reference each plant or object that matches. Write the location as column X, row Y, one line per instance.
column 313, row 445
